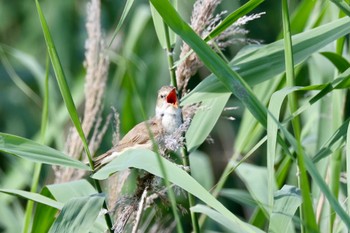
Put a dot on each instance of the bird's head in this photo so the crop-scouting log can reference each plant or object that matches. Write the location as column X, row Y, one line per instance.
column 167, row 101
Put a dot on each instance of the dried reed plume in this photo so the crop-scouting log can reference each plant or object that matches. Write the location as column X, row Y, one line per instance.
column 203, row 22
column 131, row 207
column 97, row 64
column 202, row 11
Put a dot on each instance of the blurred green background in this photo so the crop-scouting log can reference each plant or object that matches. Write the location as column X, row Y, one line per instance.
column 136, row 58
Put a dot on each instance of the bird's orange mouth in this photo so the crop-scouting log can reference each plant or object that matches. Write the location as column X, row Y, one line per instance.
column 172, row 98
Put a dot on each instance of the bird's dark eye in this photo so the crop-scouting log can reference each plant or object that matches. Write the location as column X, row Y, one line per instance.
column 162, row 96
column 162, row 114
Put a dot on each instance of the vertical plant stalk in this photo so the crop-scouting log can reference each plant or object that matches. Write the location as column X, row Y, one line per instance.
column 140, row 210
column 191, row 200
column 170, row 57
column 184, row 152
column 37, row 166
column 307, row 212
column 67, row 97
column 337, row 119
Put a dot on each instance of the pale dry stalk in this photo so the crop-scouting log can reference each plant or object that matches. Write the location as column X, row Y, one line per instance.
column 140, row 210
column 202, row 12
column 97, row 64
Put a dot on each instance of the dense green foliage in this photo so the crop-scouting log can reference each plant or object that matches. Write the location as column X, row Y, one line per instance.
column 280, row 166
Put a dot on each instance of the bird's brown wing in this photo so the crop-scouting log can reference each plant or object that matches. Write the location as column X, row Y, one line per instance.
column 136, row 137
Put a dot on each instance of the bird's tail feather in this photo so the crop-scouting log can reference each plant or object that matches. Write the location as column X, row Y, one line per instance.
column 103, row 159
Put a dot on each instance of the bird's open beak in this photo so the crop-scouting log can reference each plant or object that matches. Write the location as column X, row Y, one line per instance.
column 172, row 98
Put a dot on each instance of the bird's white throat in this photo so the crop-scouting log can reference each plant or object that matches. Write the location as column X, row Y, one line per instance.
column 171, row 118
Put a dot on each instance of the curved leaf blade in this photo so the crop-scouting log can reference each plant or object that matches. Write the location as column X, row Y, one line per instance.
column 28, row 149
column 34, row 197
column 61, row 79
column 343, row 5
column 44, row 212
column 126, row 10
column 63, row 193
column 337, row 60
column 287, row 201
column 204, row 121
column 74, row 189
column 147, row 160
column 255, row 179
column 258, row 64
column 160, row 29
column 78, row 214
column 239, row 196
column 216, row 216
column 233, row 17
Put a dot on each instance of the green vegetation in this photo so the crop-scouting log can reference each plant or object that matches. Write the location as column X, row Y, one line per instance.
column 280, row 166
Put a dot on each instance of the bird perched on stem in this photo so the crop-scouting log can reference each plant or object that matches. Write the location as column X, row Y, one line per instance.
column 166, row 121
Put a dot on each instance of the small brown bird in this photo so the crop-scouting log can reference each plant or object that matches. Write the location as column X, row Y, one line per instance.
column 167, row 119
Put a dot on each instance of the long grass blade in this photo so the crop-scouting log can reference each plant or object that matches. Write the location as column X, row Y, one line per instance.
column 26, row 89
column 343, row 5
column 78, row 214
column 126, row 10
column 66, row 94
column 262, row 63
column 62, row 193
column 162, row 31
column 34, row 197
column 33, row 151
column 287, row 200
column 308, row 215
column 216, row 216
column 61, row 80
column 233, row 17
